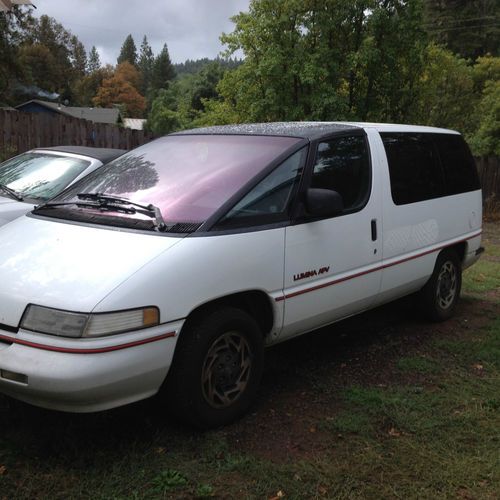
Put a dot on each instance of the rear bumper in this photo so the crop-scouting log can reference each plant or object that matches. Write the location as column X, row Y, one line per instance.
column 86, row 375
column 473, row 252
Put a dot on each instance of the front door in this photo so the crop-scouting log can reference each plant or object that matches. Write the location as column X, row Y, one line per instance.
column 332, row 266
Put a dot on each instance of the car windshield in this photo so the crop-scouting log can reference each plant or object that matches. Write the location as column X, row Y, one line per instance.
column 40, row 175
column 187, row 177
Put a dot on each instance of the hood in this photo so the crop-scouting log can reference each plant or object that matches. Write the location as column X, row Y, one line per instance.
column 4, row 200
column 11, row 209
column 67, row 266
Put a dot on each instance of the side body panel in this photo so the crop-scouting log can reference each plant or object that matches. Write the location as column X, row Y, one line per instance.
column 414, row 234
column 202, row 269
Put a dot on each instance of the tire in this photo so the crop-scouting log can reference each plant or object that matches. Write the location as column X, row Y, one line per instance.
column 217, row 368
column 440, row 295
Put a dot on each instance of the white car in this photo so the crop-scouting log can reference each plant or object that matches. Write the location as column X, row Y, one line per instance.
column 173, row 266
column 38, row 175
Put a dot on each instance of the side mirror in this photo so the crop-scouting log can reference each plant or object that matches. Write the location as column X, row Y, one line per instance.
column 323, row 203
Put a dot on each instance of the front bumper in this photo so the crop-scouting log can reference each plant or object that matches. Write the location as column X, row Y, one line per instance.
column 86, row 375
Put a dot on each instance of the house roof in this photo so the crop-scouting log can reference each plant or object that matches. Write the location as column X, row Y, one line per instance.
column 6, row 5
column 96, row 115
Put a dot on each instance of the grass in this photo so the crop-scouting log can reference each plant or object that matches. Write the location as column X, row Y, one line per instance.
column 482, row 277
column 418, row 364
column 385, row 406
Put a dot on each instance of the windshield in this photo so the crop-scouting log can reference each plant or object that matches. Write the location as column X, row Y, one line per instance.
column 40, row 175
column 188, row 177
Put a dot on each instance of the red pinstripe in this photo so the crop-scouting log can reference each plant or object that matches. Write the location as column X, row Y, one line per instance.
column 379, row 268
column 75, row 350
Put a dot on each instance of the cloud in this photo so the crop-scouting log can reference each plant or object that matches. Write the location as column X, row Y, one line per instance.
column 190, row 28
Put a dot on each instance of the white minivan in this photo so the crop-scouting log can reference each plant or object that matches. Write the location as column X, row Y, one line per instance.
column 173, row 266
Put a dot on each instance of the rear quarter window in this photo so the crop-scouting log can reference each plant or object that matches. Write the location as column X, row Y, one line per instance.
column 459, row 167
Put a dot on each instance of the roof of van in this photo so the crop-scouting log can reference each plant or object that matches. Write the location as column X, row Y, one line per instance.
column 307, row 130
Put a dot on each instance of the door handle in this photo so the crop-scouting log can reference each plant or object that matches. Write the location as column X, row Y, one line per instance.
column 374, row 229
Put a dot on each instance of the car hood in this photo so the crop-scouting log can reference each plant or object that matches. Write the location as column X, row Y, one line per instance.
column 12, row 209
column 67, row 266
column 4, row 200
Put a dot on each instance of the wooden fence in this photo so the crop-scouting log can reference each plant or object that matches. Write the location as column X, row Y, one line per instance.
column 20, row 132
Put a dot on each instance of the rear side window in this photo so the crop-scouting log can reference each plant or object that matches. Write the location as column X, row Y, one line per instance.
column 460, row 170
column 414, row 168
column 343, row 165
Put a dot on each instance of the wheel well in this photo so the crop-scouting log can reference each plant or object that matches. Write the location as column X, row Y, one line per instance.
column 254, row 302
column 459, row 248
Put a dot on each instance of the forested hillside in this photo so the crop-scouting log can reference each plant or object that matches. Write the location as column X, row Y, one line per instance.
column 433, row 62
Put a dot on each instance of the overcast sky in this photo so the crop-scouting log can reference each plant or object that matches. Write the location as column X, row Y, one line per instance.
column 190, row 28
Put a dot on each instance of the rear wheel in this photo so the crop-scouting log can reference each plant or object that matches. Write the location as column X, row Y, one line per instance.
column 217, row 368
column 440, row 295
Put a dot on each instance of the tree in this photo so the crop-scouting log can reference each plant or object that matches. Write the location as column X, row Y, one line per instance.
column 486, row 69
column 78, row 57
column 390, row 61
column 446, row 95
column 191, row 66
column 335, row 59
column 486, row 140
column 14, row 30
column 129, row 74
column 204, row 85
column 117, row 91
column 145, row 64
column 67, row 61
column 162, row 118
column 40, row 67
column 128, row 51
column 182, row 104
column 86, row 88
column 94, row 61
column 467, row 27
column 163, row 70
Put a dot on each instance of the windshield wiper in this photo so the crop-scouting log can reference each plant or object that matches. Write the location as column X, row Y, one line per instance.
column 114, row 204
column 11, row 192
column 113, row 201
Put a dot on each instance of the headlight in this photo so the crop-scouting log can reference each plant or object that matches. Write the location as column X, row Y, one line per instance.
column 76, row 325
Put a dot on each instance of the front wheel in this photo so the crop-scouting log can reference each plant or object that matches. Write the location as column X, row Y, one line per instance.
column 217, row 368
column 440, row 295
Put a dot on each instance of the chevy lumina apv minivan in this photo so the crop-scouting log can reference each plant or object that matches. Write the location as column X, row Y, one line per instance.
column 173, row 266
